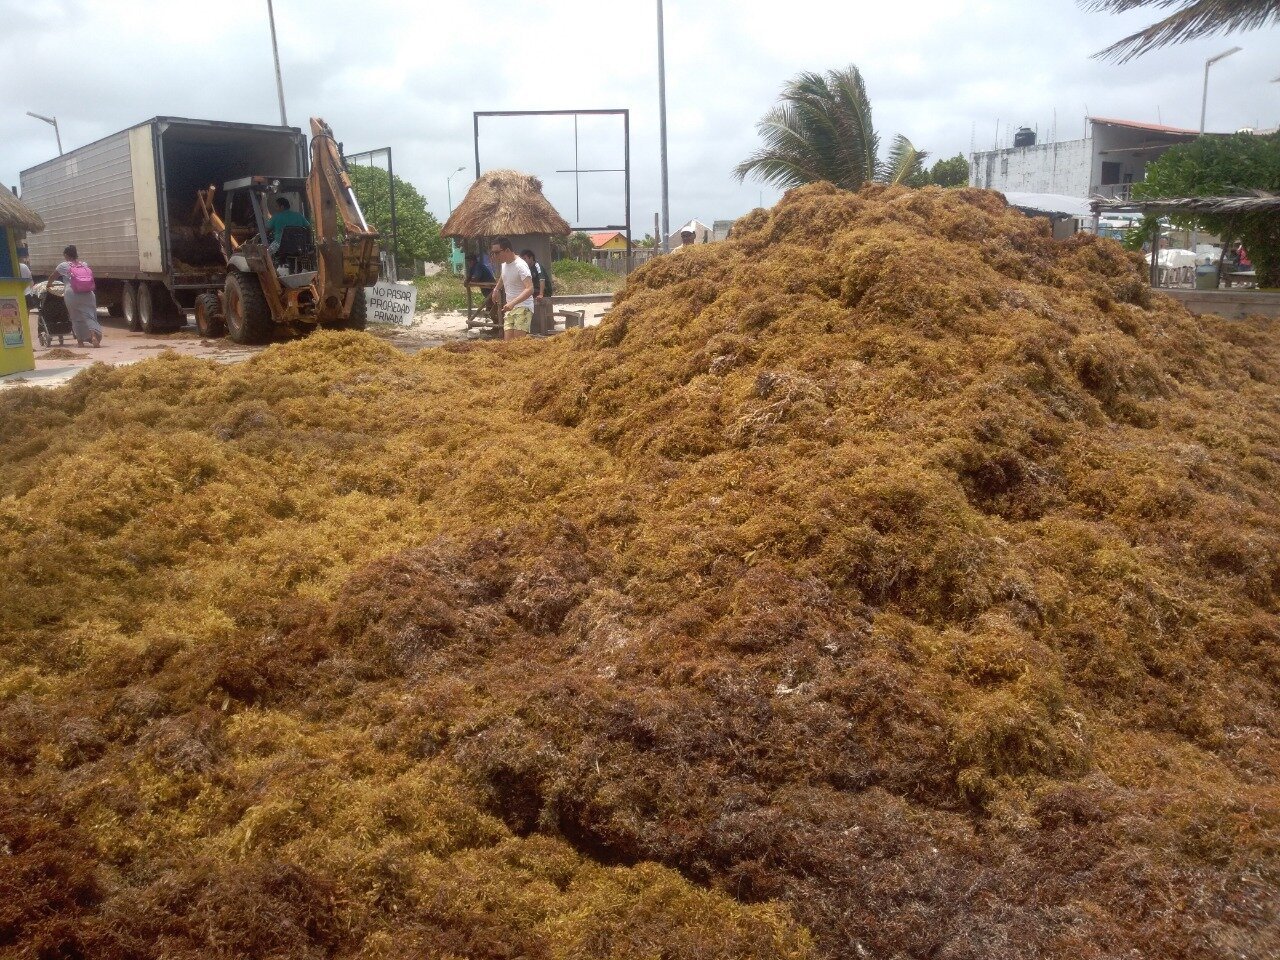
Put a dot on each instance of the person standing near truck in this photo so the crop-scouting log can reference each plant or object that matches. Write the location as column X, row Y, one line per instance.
column 79, row 297
column 517, row 284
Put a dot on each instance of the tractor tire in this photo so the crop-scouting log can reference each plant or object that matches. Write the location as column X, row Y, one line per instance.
column 129, row 306
column 358, row 319
column 209, row 320
column 244, row 305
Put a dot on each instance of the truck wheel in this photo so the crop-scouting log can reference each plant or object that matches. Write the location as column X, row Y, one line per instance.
column 129, row 306
column 358, row 318
column 147, row 318
column 209, row 321
column 245, row 308
column 168, row 315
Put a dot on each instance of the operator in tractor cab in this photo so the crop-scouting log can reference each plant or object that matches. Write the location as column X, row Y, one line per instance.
column 284, row 217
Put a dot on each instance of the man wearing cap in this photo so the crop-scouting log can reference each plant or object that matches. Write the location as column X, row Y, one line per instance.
column 686, row 239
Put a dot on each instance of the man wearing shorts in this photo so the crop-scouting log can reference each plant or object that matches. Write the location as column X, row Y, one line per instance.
column 517, row 283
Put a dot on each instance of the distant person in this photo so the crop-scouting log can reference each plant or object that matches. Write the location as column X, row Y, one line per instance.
column 79, row 296
column 542, row 306
column 541, row 278
column 686, row 239
column 517, row 284
column 285, row 216
column 29, row 291
column 477, row 270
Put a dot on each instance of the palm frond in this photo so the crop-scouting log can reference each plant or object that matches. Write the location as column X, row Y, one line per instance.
column 1195, row 19
column 904, row 162
column 785, row 159
column 821, row 129
column 859, row 143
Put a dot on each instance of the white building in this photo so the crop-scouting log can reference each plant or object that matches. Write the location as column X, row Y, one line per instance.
column 1107, row 163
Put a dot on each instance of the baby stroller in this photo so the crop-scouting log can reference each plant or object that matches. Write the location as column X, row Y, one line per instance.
column 54, row 320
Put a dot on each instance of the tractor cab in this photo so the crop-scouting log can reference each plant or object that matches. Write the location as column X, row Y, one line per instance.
column 289, row 265
column 267, row 226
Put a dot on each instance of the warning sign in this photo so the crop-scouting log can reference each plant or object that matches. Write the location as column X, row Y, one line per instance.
column 391, row 302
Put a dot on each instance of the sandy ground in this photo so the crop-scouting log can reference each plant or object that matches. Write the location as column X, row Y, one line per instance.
column 58, row 364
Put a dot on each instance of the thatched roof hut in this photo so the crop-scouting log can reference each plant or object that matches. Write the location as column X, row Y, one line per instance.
column 16, row 214
column 505, row 203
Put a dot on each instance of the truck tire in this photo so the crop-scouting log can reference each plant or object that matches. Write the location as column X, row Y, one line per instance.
column 209, row 320
column 148, row 320
column 245, row 307
column 129, row 306
column 358, row 318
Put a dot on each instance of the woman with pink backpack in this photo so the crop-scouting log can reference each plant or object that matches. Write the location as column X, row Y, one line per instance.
column 79, row 296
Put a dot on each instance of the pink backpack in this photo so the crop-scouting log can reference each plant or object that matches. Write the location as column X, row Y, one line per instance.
column 81, row 277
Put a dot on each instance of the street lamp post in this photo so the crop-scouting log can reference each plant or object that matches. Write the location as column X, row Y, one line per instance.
column 453, row 244
column 1204, row 99
column 275, row 55
column 1204, row 106
column 662, row 127
column 52, row 121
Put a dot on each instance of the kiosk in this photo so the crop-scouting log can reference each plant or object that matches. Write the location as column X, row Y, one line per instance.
column 16, row 354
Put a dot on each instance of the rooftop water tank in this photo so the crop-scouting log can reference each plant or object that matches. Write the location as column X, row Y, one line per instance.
column 1025, row 137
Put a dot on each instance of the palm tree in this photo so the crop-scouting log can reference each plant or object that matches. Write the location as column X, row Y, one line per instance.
column 821, row 129
column 1194, row 19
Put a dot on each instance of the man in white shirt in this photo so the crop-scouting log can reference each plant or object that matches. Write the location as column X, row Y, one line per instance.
column 517, row 283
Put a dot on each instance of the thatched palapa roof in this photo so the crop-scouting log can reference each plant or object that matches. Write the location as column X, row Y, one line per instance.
column 15, row 213
column 504, row 202
column 1252, row 201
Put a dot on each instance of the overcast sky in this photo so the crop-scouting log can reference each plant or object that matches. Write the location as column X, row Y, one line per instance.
column 409, row 75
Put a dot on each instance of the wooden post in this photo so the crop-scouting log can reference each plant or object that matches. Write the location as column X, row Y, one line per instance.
column 1155, row 252
column 1226, row 245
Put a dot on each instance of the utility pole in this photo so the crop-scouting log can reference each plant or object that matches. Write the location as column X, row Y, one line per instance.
column 1204, row 99
column 275, row 53
column 662, row 123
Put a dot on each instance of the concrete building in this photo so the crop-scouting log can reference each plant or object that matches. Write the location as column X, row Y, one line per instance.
column 1107, row 163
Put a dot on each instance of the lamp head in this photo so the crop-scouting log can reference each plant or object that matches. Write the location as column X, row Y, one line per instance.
column 1222, row 56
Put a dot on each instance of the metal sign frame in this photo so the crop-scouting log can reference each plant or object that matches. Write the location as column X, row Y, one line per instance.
column 626, row 148
column 391, row 185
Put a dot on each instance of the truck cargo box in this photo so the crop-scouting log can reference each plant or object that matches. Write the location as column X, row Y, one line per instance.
column 126, row 201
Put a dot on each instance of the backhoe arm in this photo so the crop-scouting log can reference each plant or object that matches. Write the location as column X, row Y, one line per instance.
column 346, row 246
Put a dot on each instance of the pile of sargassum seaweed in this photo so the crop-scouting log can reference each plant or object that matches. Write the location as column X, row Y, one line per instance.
column 888, row 581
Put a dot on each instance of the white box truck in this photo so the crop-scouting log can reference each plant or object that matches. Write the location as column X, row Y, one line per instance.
column 127, row 203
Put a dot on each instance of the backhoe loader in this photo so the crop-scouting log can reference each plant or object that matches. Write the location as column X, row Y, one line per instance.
column 291, row 281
